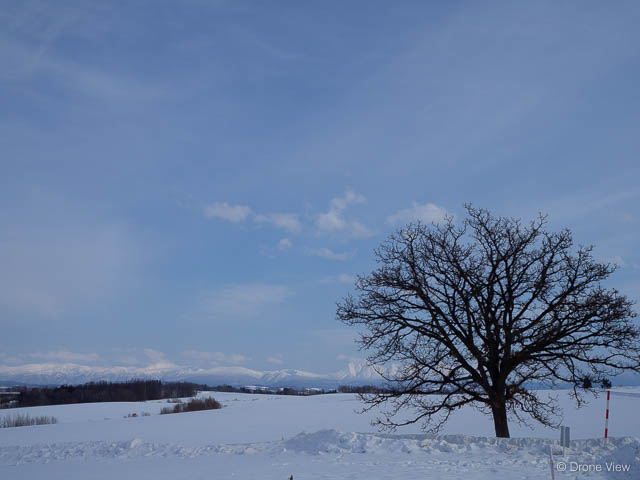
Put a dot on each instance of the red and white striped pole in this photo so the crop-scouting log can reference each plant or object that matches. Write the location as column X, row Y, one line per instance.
column 606, row 418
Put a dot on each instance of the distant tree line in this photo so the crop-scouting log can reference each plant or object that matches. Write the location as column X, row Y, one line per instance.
column 8, row 399
column 194, row 405
column 270, row 390
column 142, row 390
column 361, row 389
column 130, row 391
column 298, row 391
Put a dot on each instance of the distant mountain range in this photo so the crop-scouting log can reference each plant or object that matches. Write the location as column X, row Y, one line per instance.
column 356, row 373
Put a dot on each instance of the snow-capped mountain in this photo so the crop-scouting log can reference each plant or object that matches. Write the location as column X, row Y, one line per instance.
column 356, row 373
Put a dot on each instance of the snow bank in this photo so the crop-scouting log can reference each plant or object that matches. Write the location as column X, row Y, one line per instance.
column 258, row 436
column 452, row 452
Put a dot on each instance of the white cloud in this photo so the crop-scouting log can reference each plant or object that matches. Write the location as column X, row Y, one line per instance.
column 216, row 357
column 328, row 254
column 330, row 221
column 284, row 244
column 350, row 358
column 225, row 211
column 237, row 301
column 345, row 278
column 127, row 359
column 334, row 220
column 616, row 260
column 66, row 356
column 426, row 213
column 276, row 359
column 349, row 197
column 158, row 359
column 154, row 355
column 356, row 229
column 239, row 213
column 341, row 278
column 287, row 221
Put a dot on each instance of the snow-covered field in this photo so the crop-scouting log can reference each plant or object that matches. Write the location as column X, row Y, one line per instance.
column 319, row 437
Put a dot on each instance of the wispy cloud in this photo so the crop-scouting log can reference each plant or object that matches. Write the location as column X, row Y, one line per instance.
column 287, row 221
column 158, row 359
column 216, row 357
column 48, row 269
column 66, row 356
column 610, row 200
column 154, row 355
column 328, row 254
column 271, row 251
column 24, row 62
column 242, row 301
column 276, row 359
column 225, row 211
column 616, row 260
column 341, row 278
column 334, row 220
column 426, row 213
column 239, row 213
column 285, row 244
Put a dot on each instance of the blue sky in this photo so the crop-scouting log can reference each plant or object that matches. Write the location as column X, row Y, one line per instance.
column 198, row 183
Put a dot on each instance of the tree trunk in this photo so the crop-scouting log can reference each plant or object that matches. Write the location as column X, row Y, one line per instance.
column 500, row 421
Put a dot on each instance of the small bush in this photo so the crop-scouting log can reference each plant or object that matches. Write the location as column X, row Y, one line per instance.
column 193, row 406
column 25, row 420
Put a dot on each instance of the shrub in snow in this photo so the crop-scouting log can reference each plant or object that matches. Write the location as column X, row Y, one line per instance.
column 25, row 420
column 193, row 406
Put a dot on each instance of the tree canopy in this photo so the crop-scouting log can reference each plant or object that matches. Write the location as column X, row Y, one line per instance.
column 478, row 311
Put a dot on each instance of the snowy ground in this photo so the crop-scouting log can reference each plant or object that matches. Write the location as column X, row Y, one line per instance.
column 273, row 437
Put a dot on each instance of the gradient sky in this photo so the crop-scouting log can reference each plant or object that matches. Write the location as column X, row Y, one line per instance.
column 197, row 183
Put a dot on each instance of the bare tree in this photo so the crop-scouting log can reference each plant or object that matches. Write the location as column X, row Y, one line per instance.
column 476, row 313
